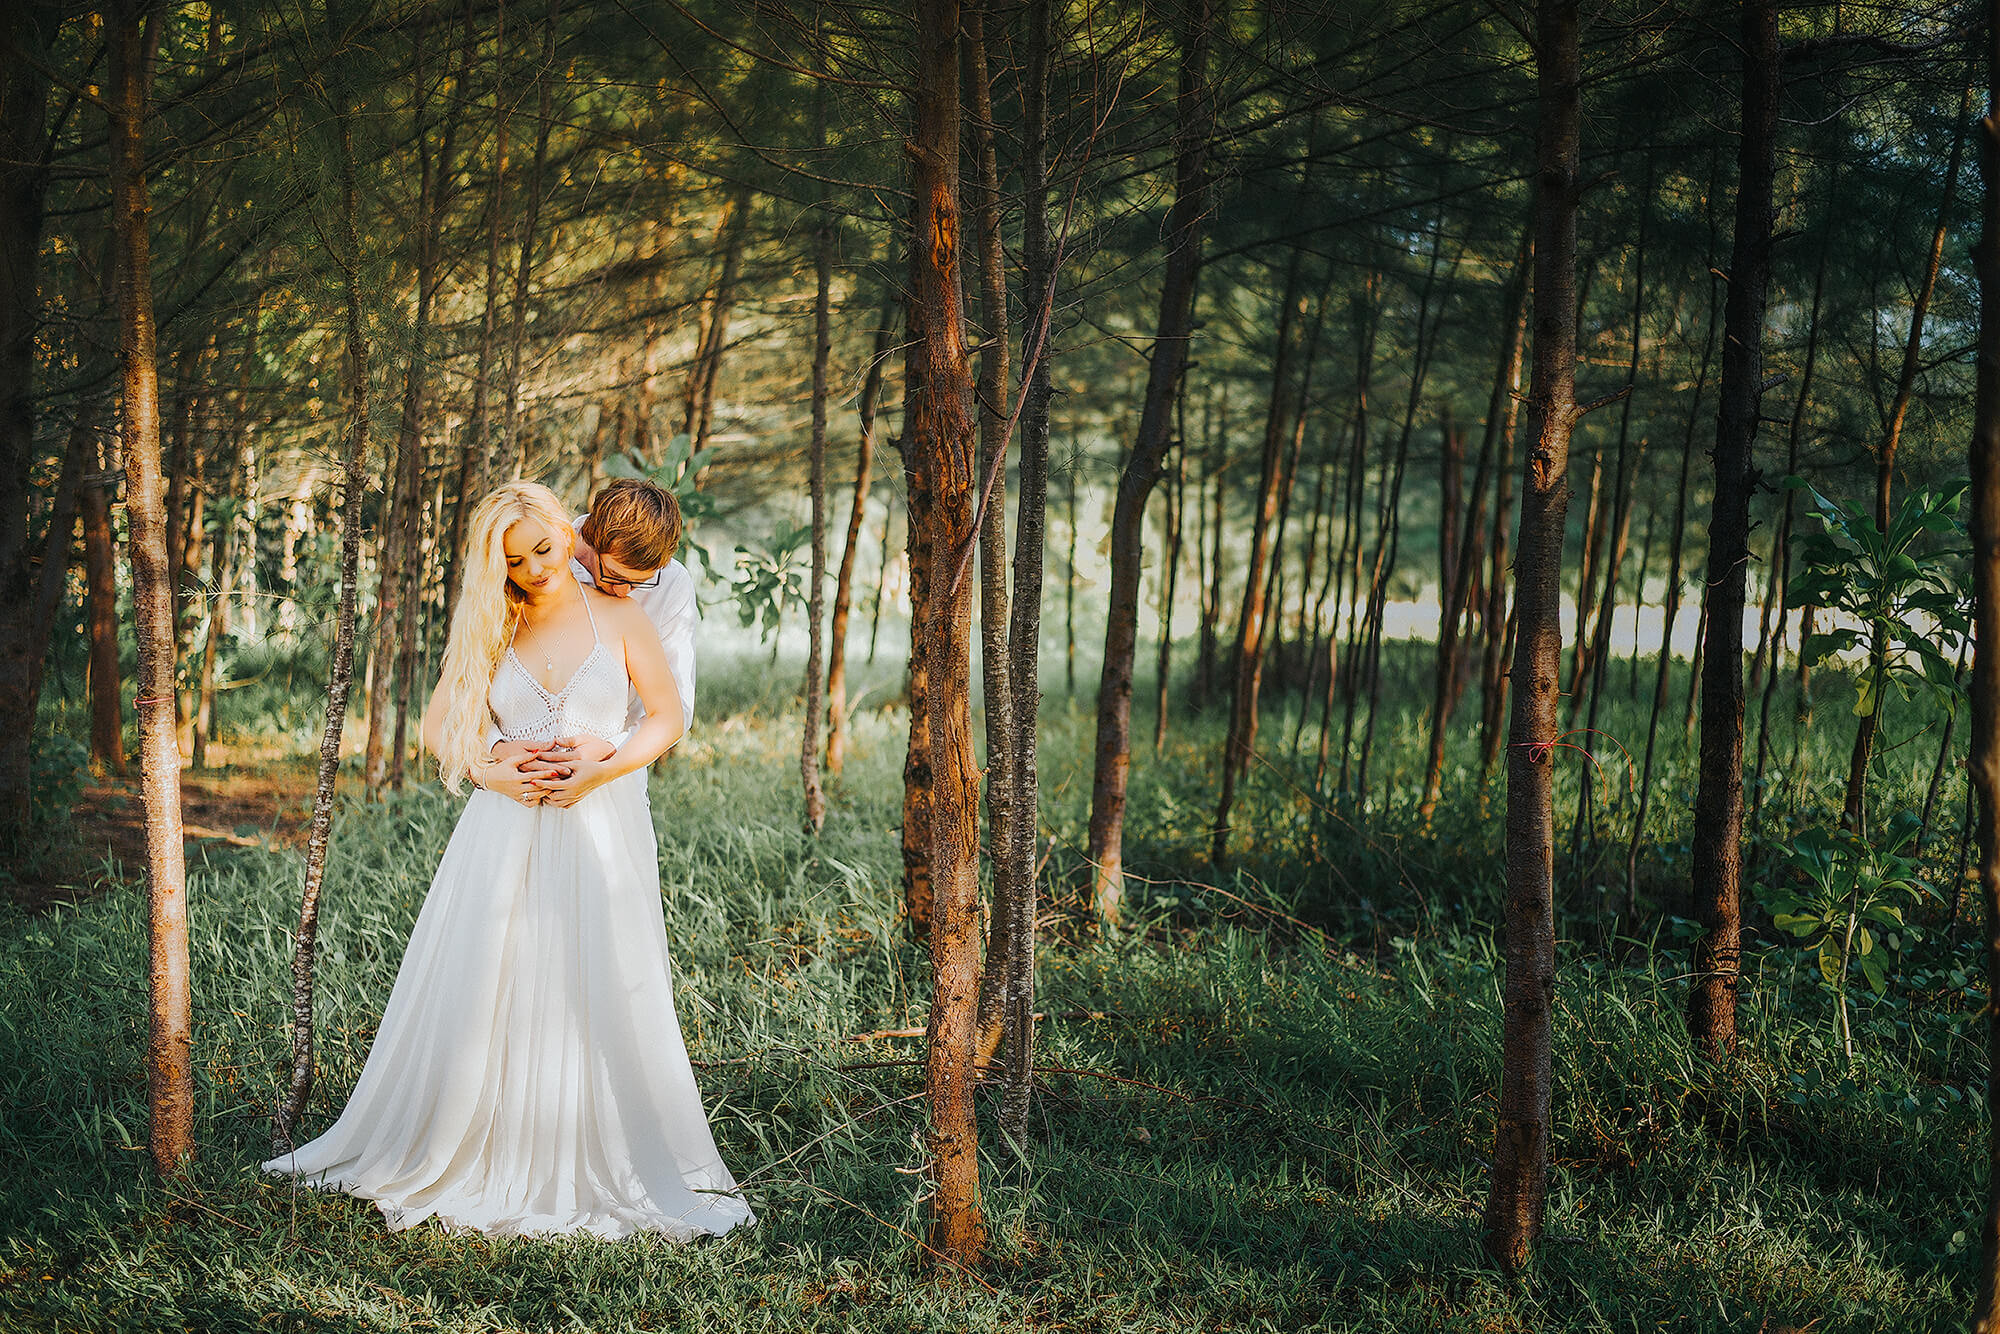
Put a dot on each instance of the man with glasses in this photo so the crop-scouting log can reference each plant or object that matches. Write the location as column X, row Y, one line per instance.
column 625, row 546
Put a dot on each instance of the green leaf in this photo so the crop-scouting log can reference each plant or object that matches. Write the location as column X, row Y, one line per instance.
column 1829, row 960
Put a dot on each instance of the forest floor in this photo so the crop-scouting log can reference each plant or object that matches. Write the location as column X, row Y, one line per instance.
column 250, row 795
column 1265, row 1106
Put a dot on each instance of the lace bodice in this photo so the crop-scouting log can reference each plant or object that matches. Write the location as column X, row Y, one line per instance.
column 591, row 703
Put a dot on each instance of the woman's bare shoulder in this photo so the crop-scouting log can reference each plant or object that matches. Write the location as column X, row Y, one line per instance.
column 621, row 615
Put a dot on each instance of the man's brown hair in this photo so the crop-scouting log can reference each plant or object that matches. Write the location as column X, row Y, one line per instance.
column 635, row 522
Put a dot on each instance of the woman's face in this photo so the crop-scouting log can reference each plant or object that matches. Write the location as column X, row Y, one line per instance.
column 535, row 556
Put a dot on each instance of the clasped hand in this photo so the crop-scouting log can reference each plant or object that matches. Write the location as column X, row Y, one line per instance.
column 552, row 773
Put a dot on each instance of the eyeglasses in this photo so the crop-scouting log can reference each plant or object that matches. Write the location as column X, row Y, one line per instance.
column 607, row 578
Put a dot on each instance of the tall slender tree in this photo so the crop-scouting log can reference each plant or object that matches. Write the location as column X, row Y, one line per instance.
column 939, row 438
column 1519, row 1181
column 134, row 38
column 1166, row 365
column 1717, row 861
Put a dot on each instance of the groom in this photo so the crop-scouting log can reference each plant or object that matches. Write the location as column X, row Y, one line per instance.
column 625, row 547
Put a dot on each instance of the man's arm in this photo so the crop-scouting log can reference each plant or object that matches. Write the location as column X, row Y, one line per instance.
column 677, row 625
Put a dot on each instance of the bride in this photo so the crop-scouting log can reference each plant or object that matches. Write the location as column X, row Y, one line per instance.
column 529, row 1076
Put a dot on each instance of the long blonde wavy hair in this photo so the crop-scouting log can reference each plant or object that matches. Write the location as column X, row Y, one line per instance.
column 482, row 624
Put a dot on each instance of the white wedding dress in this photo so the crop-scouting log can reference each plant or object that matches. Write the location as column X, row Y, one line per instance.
column 528, row 1075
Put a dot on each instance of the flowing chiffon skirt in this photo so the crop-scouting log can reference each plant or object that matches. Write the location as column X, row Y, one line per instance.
column 528, row 1075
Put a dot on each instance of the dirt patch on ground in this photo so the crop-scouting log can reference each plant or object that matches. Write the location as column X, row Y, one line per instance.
column 245, row 800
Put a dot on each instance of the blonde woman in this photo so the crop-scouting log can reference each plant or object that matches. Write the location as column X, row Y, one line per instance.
column 528, row 1075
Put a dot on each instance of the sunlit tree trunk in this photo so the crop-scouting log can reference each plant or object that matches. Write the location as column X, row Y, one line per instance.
column 843, row 588
column 134, row 38
column 939, row 437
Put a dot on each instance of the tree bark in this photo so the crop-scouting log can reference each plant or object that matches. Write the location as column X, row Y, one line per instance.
column 1240, row 742
column 1166, row 364
column 1854, row 814
column 1983, row 763
column 134, row 37
column 348, row 257
column 24, row 176
column 1718, row 807
column 107, row 722
column 1458, row 573
column 843, row 589
column 698, row 398
column 1519, row 1180
column 994, row 610
column 940, row 439
column 511, row 447
column 812, row 793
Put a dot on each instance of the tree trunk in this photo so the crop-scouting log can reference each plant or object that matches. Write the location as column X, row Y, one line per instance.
column 843, row 589
column 1519, row 1181
column 1781, row 543
column 1458, row 574
column 107, row 722
column 939, row 438
column 1718, row 806
column 24, row 175
column 1166, row 364
column 512, row 448
column 1169, row 580
column 1983, row 763
column 1854, row 814
column 341, row 671
column 812, row 793
column 1240, row 742
column 698, row 397
column 991, row 515
column 134, row 37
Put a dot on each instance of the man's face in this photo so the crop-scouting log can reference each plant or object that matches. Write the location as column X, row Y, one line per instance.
column 619, row 579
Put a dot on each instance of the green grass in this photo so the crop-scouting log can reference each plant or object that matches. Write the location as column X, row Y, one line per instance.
column 1316, row 1161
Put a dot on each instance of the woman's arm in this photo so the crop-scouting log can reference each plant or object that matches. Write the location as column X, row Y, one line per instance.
column 664, row 723
column 504, row 775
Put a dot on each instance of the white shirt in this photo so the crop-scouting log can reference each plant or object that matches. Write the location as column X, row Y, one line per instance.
column 670, row 606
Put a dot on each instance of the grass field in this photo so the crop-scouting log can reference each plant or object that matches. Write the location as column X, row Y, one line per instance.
column 1280, row 1123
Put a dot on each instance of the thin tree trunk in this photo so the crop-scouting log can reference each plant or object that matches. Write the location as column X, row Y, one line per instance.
column 511, row 446
column 996, row 690
column 813, row 794
column 1782, row 543
column 843, row 589
column 1169, row 580
column 881, row 581
column 1240, row 743
column 940, row 438
column 340, row 674
column 1519, row 1179
column 1718, row 806
column 1983, row 764
column 107, row 723
column 1854, row 814
column 698, row 398
column 1069, row 585
column 1458, row 575
column 24, row 178
column 134, row 38
column 1167, row 363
